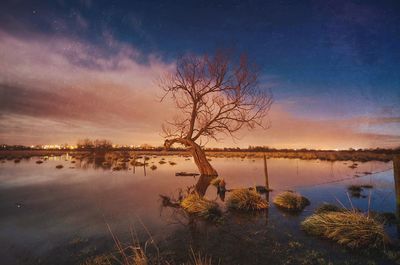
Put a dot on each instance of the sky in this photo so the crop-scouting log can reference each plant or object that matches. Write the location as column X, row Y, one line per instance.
column 89, row 69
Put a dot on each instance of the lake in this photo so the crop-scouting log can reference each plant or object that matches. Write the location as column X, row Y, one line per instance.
column 62, row 216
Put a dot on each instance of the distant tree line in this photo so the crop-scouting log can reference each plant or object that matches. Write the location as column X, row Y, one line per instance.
column 103, row 144
column 98, row 144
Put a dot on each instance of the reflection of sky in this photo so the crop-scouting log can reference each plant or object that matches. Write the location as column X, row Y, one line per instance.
column 92, row 65
column 61, row 204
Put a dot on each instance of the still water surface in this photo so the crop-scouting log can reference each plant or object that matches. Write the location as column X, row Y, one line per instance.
column 43, row 208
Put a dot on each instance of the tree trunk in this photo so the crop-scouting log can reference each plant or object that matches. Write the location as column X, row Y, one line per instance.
column 198, row 154
column 201, row 161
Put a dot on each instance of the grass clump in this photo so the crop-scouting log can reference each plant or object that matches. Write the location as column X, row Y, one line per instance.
column 292, row 201
column 162, row 162
column 172, row 163
column 356, row 190
column 215, row 182
column 153, row 167
column 196, row 205
column 59, row 166
column 246, row 200
column 326, row 207
column 349, row 228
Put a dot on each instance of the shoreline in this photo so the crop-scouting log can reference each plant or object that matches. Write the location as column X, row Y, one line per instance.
column 356, row 156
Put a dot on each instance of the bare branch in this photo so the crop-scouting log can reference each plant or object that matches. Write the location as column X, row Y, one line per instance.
column 217, row 95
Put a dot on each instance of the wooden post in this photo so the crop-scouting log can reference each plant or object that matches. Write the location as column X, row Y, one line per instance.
column 396, row 175
column 266, row 172
column 134, row 163
column 144, row 164
column 396, row 171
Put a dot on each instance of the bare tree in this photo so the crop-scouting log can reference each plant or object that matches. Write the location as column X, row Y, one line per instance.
column 216, row 95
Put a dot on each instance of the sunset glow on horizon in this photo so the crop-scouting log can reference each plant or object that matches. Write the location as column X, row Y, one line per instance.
column 88, row 69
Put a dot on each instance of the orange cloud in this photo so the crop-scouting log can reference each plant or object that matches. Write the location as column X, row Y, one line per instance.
column 55, row 90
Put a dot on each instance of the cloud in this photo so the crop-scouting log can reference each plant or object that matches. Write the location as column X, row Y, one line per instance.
column 56, row 89
column 291, row 131
column 71, row 80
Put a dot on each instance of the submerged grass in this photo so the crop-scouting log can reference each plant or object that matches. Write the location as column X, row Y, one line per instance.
column 349, row 228
column 196, row 205
column 246, row 200
column 292, row 201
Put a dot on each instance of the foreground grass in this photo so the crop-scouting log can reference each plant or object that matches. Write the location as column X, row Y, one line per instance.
column 352, row 229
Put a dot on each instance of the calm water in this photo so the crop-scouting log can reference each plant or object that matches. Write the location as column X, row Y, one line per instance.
column 44, row 208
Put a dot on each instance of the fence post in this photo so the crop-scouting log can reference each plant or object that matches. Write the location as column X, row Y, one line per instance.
column 396, row 171
column 266, row 173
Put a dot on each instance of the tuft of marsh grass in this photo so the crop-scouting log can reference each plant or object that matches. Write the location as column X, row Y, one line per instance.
column 326, row 207
column 246, row 200
column 196, row 205
column 172, row 163
column 367, row 186
column 356, row 190
column 291, row 201
column 161, row 162
column 39, row 162
column 153, row 167
column 59, row 166
column 215, row 182
column 349, row 228
column 138, row 164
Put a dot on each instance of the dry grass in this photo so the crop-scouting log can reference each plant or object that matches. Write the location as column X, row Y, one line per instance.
column 198, row 206
column 133, row 254
column 349, row 228
column 246, row 200
column 199, row 259
column 326, row 207
column 291, row 201
column 215, row 182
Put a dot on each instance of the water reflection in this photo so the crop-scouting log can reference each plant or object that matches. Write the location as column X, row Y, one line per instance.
column 57, row 205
